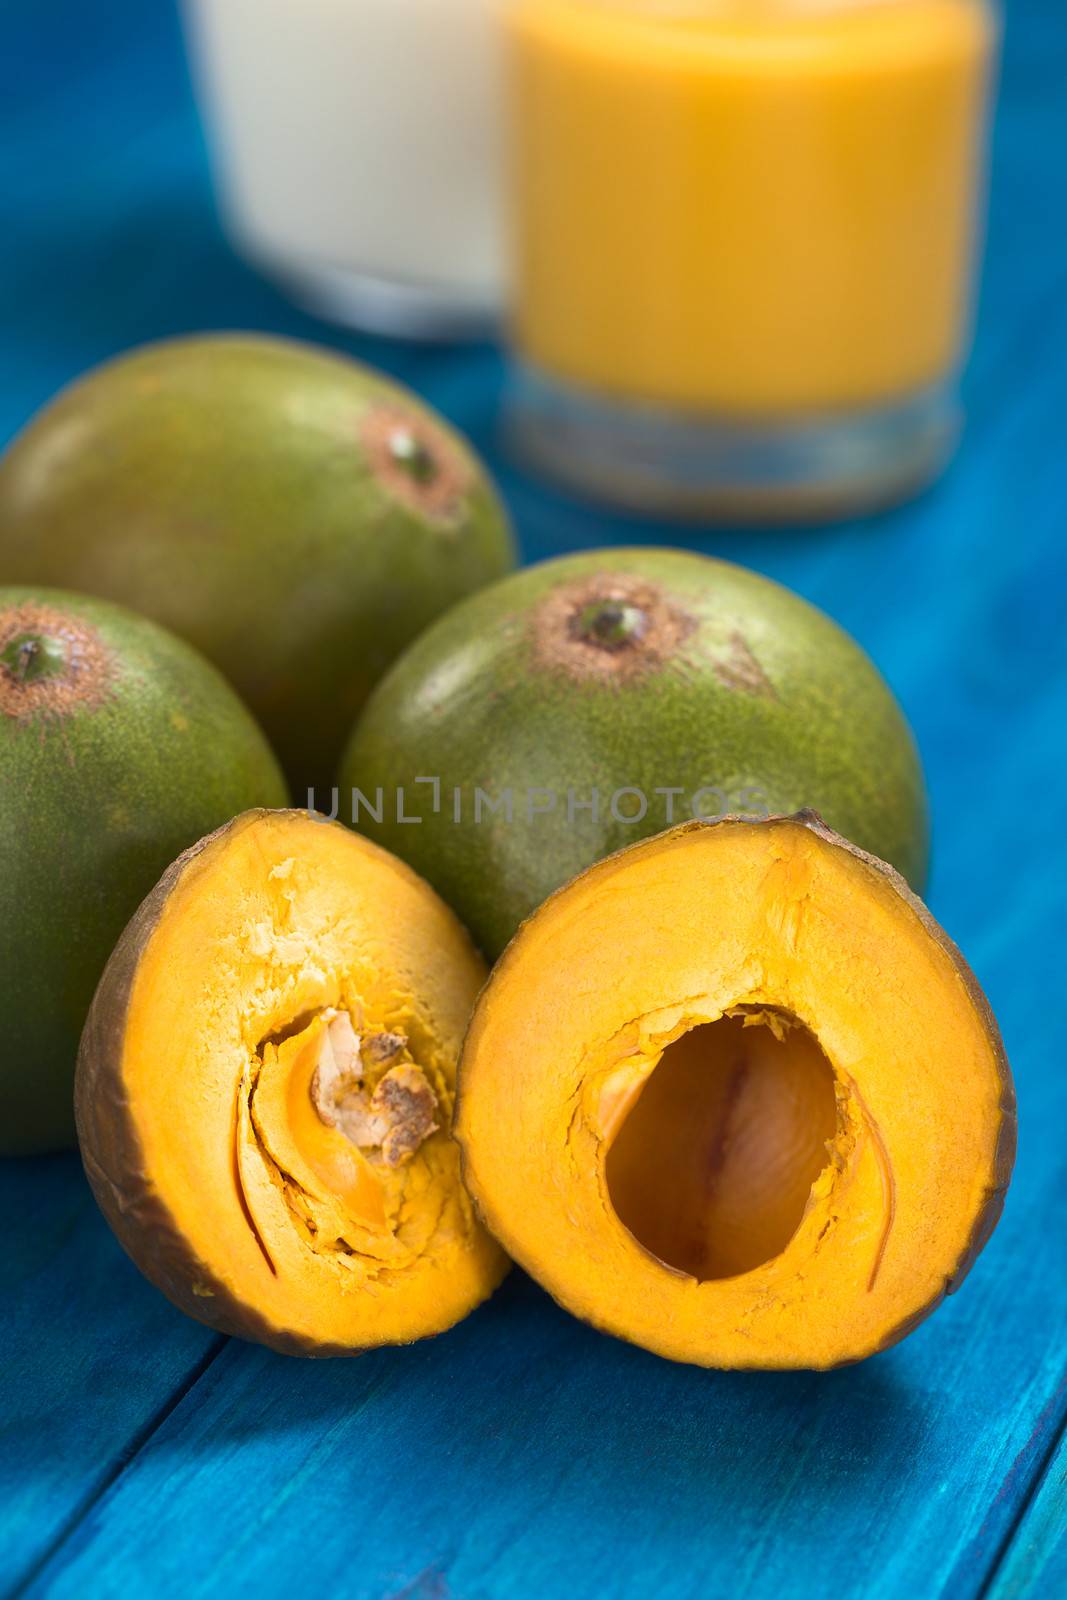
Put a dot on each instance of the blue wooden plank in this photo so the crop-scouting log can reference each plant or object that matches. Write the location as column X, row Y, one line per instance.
column 1036, row 1562
column 92, row 1356
column 522, row 1454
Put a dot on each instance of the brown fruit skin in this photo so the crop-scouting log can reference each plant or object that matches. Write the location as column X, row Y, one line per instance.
column 232, row 488
column 989, row 1214
column 141, row 1222
column 139, row 1219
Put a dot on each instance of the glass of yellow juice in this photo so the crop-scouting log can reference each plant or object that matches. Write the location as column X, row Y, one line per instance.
column 744, row 239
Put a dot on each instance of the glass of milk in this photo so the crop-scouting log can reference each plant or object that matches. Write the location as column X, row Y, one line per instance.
column 356, row 147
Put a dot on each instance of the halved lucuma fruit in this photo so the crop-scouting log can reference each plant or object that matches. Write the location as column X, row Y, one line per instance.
column 732, row 1094
column 265, row 1086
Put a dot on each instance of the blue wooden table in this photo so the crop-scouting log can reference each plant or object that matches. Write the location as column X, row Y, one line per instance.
column 523, row 1455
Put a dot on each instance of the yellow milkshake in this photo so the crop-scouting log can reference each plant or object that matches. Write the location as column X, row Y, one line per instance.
column 761, row 212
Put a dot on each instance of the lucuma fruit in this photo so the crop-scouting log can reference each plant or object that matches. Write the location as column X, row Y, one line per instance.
column 119, row 746
column 596, row 699
column 294, row 515
column 265, row 1089
column 733, row 1095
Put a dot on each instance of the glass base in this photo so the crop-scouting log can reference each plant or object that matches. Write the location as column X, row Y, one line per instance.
column 391, row 307
column 651, row 460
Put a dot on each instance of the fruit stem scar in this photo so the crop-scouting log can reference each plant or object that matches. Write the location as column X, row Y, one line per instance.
column 412, row 454
column 414, row 460
column 610, row 627
column 32, row 656
column 612, row 624
column 52, row 662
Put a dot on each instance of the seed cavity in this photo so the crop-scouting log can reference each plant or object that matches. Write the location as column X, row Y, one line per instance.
column 416, row 462
column 51, row 663
column 396, row 1116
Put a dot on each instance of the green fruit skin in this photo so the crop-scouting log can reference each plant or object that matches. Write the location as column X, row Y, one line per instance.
column 94, row 804
column 220, row 486
column 473, row 703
